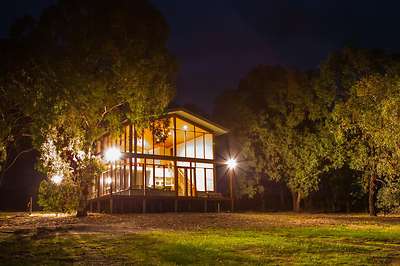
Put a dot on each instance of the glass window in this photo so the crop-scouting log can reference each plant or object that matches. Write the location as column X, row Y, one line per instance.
column 159, row 148
column 185, row 139
column 185, row 164
column 180, row 143
column 169, row 175
column 200, row 179
column 189, row 135
column 148, row 142
column 199, row 140
column 208, row 142
column 150, row 181
column 139, row 142
column 138, row 182
column 210, row 179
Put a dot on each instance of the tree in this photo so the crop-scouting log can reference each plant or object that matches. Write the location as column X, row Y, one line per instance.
column 364, row 83
column 278, row 122
column 91, row 65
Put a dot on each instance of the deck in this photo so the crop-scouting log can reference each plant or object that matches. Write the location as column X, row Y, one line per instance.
column 131, row 201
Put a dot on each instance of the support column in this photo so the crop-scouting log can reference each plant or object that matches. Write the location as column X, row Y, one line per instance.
column 132, row 173
column 231, row 188
column 175, row 164
column 176, row 205
column 205, row 205
column 144, row 205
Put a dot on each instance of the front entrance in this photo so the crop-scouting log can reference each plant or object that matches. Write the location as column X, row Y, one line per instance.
column 186, row 181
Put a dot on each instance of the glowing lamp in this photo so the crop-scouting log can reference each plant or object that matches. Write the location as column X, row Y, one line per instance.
column 231, row 163
column 112, row 154
column 56, row 179
column 108, row 180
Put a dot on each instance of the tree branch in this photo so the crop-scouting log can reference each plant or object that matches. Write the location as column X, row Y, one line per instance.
column 108, row 111
column 16, row 158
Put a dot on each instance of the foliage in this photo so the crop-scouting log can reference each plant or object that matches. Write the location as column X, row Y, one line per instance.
column 294, row 126
column 365, row 121
column 88, row 66
column 63, row 197
column 389, row 197
column 277, row 121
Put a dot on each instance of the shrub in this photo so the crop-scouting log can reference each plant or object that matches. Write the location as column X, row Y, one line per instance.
column 58, row 198
column 389, row 197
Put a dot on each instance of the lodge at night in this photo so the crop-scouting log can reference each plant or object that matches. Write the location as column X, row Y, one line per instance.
column 177, row 173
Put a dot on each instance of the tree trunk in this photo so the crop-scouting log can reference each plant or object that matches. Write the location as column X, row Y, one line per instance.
column 282, row 200
column 296, row 198
column 263, row 202
column 372, row 195
column 82, row 206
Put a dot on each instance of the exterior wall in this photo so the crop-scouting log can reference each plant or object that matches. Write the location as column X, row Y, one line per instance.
column 181, row 165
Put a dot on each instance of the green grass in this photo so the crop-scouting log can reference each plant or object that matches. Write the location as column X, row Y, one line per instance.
column 327, row 245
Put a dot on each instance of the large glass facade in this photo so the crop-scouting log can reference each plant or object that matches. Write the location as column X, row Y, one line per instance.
column 150, row 161
column 192, row 141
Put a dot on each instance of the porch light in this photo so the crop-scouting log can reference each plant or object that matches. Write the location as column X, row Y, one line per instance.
column 231, row 163
column 112, row 154
column 56, row 179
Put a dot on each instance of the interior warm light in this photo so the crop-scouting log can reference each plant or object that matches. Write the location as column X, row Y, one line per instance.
column 57, row 179
column 108, row 180
column 231, row 163
column 112, row 154
column 185, row 127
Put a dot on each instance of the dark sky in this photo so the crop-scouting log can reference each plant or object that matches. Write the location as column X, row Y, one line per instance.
column 218, row 41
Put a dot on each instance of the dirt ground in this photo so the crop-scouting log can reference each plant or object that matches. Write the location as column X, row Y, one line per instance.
column 130, row 223
column 199, row 239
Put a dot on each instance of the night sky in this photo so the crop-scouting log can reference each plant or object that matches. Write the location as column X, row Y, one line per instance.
column 218, row 42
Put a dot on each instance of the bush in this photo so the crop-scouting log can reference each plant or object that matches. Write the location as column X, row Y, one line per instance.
column 389, row 198
column 58, row 198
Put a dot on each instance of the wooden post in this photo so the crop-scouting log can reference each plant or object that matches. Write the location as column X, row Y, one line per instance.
column 30, row 205
column 98, row 206
column 132, row 173
column 231, row 188
column 111, row 204
column 112, row 179
column 205, row 205
column 176, row 205
column 175, row 164
column 144, row 205
column 218, row 207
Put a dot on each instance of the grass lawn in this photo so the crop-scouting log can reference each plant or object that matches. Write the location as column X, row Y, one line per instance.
column 200, row 239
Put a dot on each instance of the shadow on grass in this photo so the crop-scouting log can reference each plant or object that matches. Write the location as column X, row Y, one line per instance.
column 382, row 220
column 208, row 247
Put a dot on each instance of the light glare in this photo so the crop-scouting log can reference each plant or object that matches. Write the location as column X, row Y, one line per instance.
column 57, row 179
column 112, row 154
column 231, row 163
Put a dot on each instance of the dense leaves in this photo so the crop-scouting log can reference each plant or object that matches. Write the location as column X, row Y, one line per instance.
column 62, row 197
column 276, row 119
column 88, row 66
column 298, row 127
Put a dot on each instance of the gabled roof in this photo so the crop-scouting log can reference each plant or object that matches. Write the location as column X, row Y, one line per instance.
column 200, row 120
